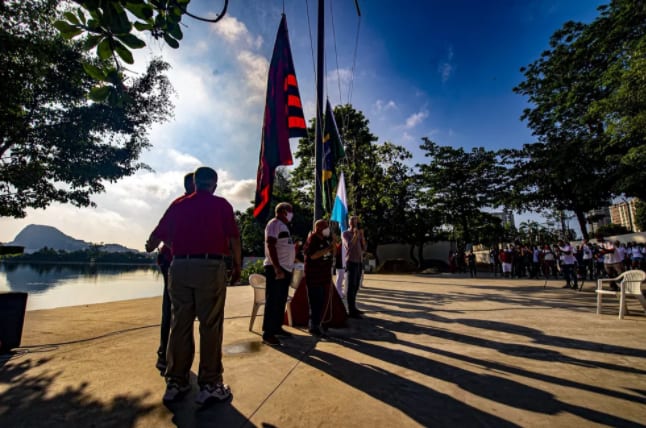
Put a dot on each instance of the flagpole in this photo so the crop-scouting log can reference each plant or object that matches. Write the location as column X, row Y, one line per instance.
column 318, row 146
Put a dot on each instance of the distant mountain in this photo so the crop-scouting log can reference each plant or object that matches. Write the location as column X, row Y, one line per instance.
column 35, row 237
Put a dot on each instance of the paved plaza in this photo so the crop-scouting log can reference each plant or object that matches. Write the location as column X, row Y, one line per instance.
column 433, row 351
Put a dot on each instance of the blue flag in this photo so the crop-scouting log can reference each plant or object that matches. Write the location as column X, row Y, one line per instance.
column 340, row 209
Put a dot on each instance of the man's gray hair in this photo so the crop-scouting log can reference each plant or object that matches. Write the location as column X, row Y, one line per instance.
column 283, row 206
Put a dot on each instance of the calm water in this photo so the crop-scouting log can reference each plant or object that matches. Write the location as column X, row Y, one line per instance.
column 57, row 285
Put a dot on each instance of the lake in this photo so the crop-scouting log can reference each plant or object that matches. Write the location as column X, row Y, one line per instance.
column 58, row 285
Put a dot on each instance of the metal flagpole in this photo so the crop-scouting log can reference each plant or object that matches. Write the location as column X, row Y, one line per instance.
column 318, row 145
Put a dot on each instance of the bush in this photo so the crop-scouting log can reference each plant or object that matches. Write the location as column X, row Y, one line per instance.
column 255, row 267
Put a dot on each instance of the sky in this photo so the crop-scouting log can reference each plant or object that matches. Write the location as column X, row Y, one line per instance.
column 430, row 68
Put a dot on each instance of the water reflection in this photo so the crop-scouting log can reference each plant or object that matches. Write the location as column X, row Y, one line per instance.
column 53, row 285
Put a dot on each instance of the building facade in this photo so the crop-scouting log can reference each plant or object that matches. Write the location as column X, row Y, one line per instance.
column 623, row 213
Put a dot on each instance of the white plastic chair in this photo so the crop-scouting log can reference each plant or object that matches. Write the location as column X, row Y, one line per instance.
column 629, row 285
column 297, row 276
column 257, row 282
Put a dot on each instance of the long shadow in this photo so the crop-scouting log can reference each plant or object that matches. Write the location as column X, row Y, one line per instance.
column 425, row 405
column 409, row 328
column 420, row 311
column 520, row 297
column 495, row 388
column 30, row 402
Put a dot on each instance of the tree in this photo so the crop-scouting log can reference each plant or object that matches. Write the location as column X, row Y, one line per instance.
column 612, row 229
column 55, row 145
column 459, row 184
column 379, row 184
column 587, row 113
column 640, row 214
column 565, row 169
column 620, row 34
column 107, row 26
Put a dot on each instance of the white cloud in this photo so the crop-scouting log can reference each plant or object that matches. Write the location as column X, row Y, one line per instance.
column 415, row 119
column 382, row 106
column 446, row 67
column 254, row 68
column 236, row 33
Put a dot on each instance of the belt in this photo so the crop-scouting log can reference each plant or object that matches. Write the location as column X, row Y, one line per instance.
column 200, row 256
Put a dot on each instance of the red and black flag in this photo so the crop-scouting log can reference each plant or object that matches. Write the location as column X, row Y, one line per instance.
column 283, row 120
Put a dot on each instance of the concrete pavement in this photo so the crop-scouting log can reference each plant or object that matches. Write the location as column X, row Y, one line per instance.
column 431, row 351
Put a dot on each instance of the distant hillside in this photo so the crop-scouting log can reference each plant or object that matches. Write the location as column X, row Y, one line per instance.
column 35, row 237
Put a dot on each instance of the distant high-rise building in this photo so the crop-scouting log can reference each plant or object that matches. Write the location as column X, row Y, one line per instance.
column 623, row 213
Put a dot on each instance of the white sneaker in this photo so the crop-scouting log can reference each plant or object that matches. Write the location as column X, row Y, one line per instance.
column 175, row 392
column 217, row 392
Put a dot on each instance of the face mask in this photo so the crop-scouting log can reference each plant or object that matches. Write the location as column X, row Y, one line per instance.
column 326, row 232
column 290, row 216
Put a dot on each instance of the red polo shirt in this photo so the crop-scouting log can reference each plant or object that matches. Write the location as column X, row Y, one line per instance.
column 199, row 223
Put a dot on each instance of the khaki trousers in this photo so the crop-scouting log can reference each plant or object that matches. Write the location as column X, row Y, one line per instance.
column 197, row 288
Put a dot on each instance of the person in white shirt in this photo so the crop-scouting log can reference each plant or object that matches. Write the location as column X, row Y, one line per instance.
column 612, row 260
column 568, row 264
column 587, row 259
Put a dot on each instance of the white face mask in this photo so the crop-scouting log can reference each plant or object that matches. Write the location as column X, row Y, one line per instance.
column 326, row 232
column 290, row 216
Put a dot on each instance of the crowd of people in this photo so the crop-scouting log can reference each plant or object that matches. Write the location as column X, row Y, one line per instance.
column 587, row 260
column 195, row 235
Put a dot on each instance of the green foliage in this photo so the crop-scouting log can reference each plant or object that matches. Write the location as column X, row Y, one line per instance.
column 54, row 144
column 255, row 267
column 459, row 184
column 107, row 26
column 612, row 229
column 94, row 254
column 588, row 106
column 640, row 214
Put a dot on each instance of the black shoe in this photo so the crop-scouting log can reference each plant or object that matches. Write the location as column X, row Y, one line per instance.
column 271, row 340
column 356, row 315
column 566, row 286
column 284, row 333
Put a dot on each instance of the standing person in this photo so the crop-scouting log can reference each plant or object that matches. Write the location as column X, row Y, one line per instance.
column 339, row 267
column 199, row 228
column 164, row 259
column 472, row 263
column 568, row 264
column 355, row 244
column 613, row 263
column 505, row 260
column 319, row 252
column 587, row 260
column 549, row 262
column 279, row 267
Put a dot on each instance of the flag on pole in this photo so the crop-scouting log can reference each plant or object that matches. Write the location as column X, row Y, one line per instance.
column 332, row 152
column 283, row 120
column 340, row 210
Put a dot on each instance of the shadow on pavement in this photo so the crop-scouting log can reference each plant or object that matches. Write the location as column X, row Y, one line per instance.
column 30, row 401
column 375, row 337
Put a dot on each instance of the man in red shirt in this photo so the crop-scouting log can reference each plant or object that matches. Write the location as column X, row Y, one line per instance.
column 164, row 259
column 199, row 229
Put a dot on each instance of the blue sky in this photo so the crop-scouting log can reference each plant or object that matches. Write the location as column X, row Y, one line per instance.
column 438, row 69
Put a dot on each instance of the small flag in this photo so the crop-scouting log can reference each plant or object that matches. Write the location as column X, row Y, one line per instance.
column 283, row 119
column 332, row 152
column 340, row 210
